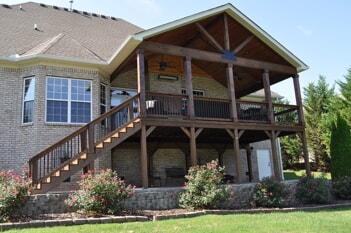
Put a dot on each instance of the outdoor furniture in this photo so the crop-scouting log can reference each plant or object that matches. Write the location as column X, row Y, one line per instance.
column 174, row 173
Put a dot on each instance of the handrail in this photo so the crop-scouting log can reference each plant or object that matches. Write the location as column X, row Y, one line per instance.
column 82, row 140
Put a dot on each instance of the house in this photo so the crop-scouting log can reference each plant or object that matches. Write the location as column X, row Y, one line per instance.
column 84, row 91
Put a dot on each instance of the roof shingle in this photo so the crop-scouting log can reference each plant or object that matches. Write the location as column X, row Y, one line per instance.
column 60, row 32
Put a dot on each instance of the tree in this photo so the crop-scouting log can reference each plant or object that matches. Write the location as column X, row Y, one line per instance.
column 317, row 103
column 345, row 100
column 340, row 149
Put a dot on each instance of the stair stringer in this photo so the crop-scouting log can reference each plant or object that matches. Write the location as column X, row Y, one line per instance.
column 83, row 159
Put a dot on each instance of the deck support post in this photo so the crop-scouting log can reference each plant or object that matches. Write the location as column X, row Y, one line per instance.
column 237, row 156
column 189, row 87
column 268, row 96
column 302, row 122
column 192, row 135
column 141, row 82
column 273, row 135
column 143, row 158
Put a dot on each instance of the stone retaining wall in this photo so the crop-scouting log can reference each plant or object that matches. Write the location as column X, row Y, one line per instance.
column 148, row 199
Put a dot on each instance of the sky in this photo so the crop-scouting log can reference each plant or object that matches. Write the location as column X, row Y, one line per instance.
column 316, row 31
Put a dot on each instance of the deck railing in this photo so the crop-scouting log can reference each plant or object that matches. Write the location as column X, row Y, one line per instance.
column 166, row 105
column 83, row 140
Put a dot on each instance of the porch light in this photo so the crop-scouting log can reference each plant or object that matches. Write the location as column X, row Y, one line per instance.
column 168, row 77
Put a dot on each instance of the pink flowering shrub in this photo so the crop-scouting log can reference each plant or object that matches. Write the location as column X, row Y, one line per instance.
column 269, row 192
column 310, row 190
column 14, row 189
column 342, row 188
column 102, row 193
column 204, row 187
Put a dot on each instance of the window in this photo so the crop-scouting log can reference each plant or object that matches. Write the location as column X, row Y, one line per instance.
column 68, row 100
column 103, row 107
column 195, row 92
column 28, row 100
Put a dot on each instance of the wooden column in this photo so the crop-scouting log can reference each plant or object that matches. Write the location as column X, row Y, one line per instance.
column 276, row 166
column 249, row 160
column 231, row 93
column 143, row 157
column 268, row 96
column 189, row 87
column 230, row 74
column 236, row 136
column 302, row 122
column 193, row 153
column 237, row 157
column 141, row 82
column 192, row 135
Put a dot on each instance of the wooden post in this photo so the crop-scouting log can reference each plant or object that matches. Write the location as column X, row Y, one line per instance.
column 268, row 96
column 249, row 160
column 141, row 82
column 302, row 122
column 189, row 88
column 231, row 92
column 193, row 152
column 143, row 158
column 277, row 172
column 237, row 156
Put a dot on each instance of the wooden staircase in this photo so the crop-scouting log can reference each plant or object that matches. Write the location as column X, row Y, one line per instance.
column 76, row 151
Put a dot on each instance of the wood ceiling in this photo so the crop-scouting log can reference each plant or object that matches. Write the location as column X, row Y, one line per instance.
column 208, row 35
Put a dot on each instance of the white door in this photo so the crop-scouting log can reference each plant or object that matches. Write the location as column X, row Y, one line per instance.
column 264, row 163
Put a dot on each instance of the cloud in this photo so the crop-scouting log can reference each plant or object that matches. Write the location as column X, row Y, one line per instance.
column 305, row 31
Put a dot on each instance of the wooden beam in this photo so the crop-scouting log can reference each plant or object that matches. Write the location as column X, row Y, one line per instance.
column 226, row 32
column 149, row 130
column 243, row 44
column 210, row 39
column 214, row 57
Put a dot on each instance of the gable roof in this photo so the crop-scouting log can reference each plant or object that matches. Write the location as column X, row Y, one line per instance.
column 107, row 41
column 60, row 32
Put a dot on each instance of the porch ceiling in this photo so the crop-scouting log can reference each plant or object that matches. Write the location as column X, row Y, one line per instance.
column 196, row 35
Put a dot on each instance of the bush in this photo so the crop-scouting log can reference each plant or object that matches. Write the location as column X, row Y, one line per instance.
column 310, row 190
column 14, row 189
column 342, row 188
column 204, row 188
column 102, row 193
column 269, row 192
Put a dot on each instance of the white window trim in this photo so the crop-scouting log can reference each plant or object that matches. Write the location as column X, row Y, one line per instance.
column 69, row 100
column 23, row 100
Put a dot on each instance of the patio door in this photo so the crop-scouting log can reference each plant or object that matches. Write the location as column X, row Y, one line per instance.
column 119, row 96
column 264, row 163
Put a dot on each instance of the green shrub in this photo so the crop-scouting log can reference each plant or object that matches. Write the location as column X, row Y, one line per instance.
column 269, row 192
column 102, row 193
column 342, row 188
column 14, row 189
column 310, row 190
column 340, row 149
column 204, row 188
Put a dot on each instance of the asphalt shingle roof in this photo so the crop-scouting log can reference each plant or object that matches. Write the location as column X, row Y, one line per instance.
column 60, row 32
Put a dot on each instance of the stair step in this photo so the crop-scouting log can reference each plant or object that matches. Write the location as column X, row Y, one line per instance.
column 57, row 174
column 66, row 168
column 108, row 140
column 115, row 135
column 100, row 145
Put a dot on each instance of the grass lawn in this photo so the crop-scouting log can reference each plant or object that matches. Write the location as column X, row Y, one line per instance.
column 294, row 175
column 337, row 220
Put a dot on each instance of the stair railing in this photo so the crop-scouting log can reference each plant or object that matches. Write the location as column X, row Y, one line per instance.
column 82, row 140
